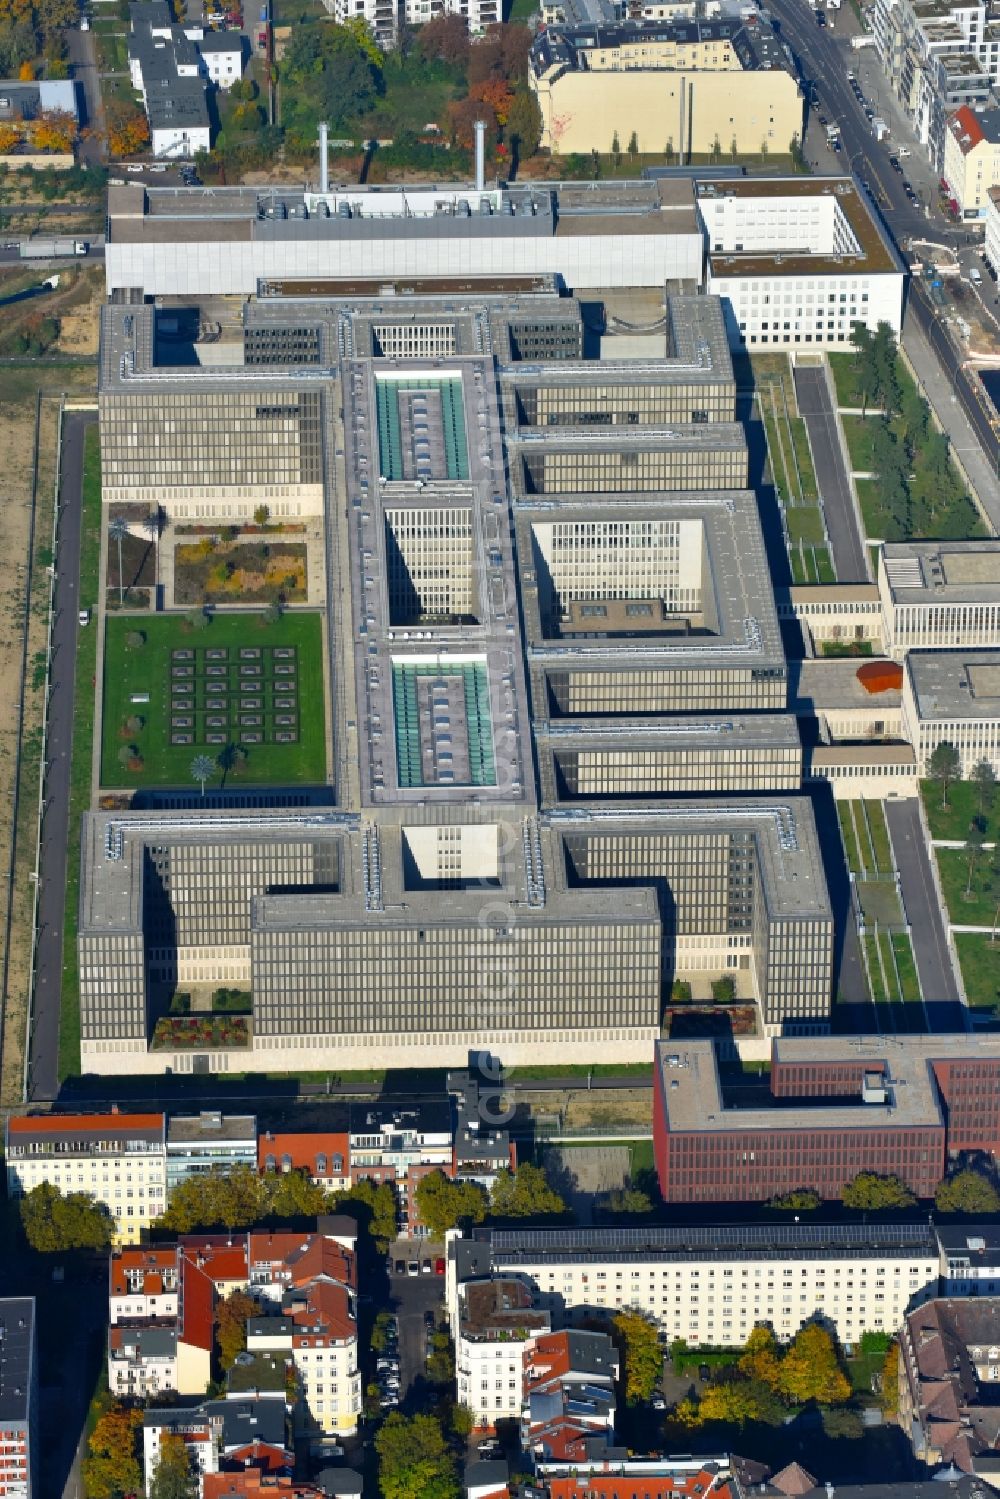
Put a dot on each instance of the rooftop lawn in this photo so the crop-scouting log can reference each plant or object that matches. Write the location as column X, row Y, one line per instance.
column 148, row 668
column 952, row 822
column 979, row 959
column 980, row 907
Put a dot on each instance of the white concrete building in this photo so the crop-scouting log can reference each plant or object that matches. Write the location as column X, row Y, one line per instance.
column 972, row 159
column 609, row 234
column 798, row 261
column 953, row 697
column 497, row 1322
column 117, row 1159
column 939, row 595
column 711, row 1286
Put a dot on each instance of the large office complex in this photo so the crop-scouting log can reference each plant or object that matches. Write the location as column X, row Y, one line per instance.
column 953, row 696
column 939, row 595
column 901, row 1106
column 798, row 261
column 533, row 581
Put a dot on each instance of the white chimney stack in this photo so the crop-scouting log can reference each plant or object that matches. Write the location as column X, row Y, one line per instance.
column 480, row 129
column 324, row 164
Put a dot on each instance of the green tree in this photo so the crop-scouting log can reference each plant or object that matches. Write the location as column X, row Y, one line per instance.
column 111, row 1466
column 944, row 766
column 216, row 1199
column 810, row 1369
column 462, row 1422
column 890, row 470
column 442, row 1203
column 628, row 1200
column 967, row 1191
column 633, row 144
column 616, row 148
column 326, row 74
column 799, row 1200
column 231, row 1316
column 173, row 1477
column 641, row 1355
column 760, row 1359
column 524, row 1193
column 983, row 777
column 841, row 1424
column 54, row 1224
column 524, row 124
column 441, row 1359
column 869, row 1192
column 974, row 841
column 886, row 361
column 414, row 1461
column 865, row 375
column 380, row 1201
column 293, row 1194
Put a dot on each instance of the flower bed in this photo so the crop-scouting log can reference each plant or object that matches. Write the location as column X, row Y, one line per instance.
column 181, row 1032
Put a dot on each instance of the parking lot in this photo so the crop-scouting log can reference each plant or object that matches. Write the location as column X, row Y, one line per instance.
column 412, row 1297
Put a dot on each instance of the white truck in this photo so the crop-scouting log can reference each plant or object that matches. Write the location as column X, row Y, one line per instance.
column 857, row 42
column 43, row 247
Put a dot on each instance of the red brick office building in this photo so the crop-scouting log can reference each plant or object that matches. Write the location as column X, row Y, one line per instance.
column 837, row 1105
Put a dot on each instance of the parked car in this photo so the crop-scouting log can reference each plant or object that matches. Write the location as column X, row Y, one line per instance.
column 84, row 616
column 400, row 1267
column 658, row 1403
column 426, row 1267
column 413, row 1268
column 439, row 1266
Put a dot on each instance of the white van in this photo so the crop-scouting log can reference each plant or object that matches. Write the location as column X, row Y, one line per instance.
column 976, row 276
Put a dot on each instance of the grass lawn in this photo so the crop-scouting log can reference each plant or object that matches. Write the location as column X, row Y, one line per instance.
column 860, row 434
column 152, row 667
column 82, row 751
column 979, row 960
column 875, row 518
column 845, row 649
column 825, row 572
column 641, row 1071
column 879, row 837
column 952, row 821
column 805, row 523
column 848, row 836
column 865, row 848
column 906, row 967
column 980, row 908
column 640, row 1157
column 799, row 575
column 961, row 521
column 879, row 994
column 844, row 378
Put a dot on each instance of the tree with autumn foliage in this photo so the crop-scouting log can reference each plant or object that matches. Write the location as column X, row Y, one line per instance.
column 128, row 128
column 26, row 72
column 810, row 1369
column 497, row 94
column 761, row 1358
column 53, row 130
column 890, row 1381
column 231, row 1317
column 111, row 1466
column 10, row 139
column 174, row 1476
column 463, row 115
column 445, row 39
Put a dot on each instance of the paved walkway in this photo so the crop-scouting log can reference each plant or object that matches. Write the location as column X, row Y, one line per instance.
column 938, row 984
column 43, row 1074
column 940, row 392
column 812, row 392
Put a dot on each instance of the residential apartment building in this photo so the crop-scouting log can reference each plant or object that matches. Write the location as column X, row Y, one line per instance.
column 385, row 17
column 939, row 595
column 569, row 1394
column 497, row 1321
column 938, row 58
column 323, row 1155
column 798, row 261
column 117, row 1159
column 949, row 1364
column 953, row 697
column 209, row 1141
column 709, row 1285
column 161, row 1309
column 971, row 165
column 690, row 85
column 400, row 1144
column 236, row 1432
column 901, row 1106
column 170, row 65
column 970, row 1261
column 19, row 1456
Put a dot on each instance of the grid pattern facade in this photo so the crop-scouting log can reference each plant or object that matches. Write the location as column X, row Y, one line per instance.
column 633, row 471
column 112, row 986
column 716, row 1300
column 662, row 689
column 532, row 978
column 231, row 440
column 629, row 772
column 541, row 338
column 649, row 404
column 413, row 340
column 943, row 626
column 281, row 344
column 429, row 554
column 619, row 559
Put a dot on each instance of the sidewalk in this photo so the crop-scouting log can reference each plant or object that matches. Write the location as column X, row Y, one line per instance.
column 939, row 393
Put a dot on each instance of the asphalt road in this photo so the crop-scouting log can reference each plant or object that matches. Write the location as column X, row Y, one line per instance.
column 816, row 408
column 410, row 1298
column 43, row 1066
column 14, row 257
column 942, row 1001
column 82, row 56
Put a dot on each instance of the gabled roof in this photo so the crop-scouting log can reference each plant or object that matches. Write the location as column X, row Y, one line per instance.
column 197, row 1306
column 304, row 1151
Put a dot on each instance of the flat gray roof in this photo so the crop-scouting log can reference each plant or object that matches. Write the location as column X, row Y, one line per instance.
column 17, row 1356
column 941, row 572
column 955, row 684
